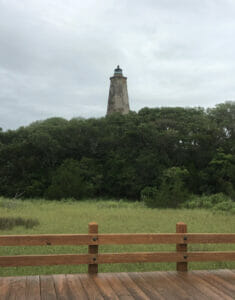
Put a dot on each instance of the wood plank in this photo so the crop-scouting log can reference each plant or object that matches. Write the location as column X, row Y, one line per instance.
column 215, row 284
column 47, row 239
column 91, row 289
column 142, row 282
column 140, row 238
column 227, row 275
column 170, row 280
column 211, row 256
column 210, row 238
column 61, row 287
column 105, row 287
column 32, row 291
column 42, row 260
column 76, row 288
column 187, row 286
column 119, row 289
column 87, row 239
column 207, row 289
column 134, row 257
column 17, row 288
column 116, row 239
column 224, row 286
column 74, row 259
column 166, row 238
column 159, row 284
column 132, row 287
column 47, row 288
column 5, row 285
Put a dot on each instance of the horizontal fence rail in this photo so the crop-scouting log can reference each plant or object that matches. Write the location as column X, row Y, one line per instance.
column 116, row 239
column 181, row 238
column 108, row 258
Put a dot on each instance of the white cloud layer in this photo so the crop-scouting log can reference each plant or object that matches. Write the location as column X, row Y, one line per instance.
column 56, row 56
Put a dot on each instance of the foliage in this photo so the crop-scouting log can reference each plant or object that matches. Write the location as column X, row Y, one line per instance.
column 171, row 192
column 121, row 155
column 217, row 202
column 68, row 181
column 10, row 222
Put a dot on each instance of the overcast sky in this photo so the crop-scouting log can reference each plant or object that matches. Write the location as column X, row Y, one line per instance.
column 56, row 56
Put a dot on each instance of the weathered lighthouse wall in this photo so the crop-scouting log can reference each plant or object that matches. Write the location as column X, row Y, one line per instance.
column 118, row 95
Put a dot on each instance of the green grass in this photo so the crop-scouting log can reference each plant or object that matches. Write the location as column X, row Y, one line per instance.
column 112, row 217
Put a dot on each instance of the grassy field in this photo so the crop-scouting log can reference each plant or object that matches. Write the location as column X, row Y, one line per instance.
column 113, row 217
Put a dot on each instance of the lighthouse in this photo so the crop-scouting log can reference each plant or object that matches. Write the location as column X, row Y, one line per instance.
column 118, row 96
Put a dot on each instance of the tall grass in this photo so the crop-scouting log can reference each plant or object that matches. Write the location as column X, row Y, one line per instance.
column 112, row 217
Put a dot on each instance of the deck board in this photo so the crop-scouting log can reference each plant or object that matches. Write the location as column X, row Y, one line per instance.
column 216, row 284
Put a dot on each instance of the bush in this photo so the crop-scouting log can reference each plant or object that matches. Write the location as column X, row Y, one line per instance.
column 10, row 222
column 172, row 191
column 68, row 182
column 217, row 202
column 228, row 206
column 150, row 196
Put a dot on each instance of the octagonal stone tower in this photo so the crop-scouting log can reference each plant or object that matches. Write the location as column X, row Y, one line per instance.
column 118, row 95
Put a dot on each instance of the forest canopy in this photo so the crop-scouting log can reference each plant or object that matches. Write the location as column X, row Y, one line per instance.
column 169, row 153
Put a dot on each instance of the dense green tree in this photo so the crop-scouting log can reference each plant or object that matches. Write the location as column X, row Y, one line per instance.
column 121, row 155
column 68, row 182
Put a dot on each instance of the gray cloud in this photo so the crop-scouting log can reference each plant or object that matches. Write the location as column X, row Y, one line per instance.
column 56, row 57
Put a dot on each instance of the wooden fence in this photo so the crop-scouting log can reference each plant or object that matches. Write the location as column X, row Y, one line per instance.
column 93, row 239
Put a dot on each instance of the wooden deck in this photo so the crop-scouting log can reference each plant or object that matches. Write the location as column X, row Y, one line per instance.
column 219, row 284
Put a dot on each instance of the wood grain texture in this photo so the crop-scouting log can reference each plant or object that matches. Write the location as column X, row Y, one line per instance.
column 47, row 288
column 90, row 287
column 132, row 287
column 146, row 287
column 93, row 249
column 140, row 238
column 210, row 290
column 105, row 287
column 170, row 280
column 210, row 238
column 120, row 290
column 186, row 285
column 199, row 285
column 226, row 287
column 46, row 240
column 106, row 258
column 5, row 287
column 181, row 266
column 160, row 285
column 76, row 287
column 32, row 291
column 211, row 256
column 195, row 282
column 45, row 260
column 18, row 288
column 227, row 275
column 116, row 239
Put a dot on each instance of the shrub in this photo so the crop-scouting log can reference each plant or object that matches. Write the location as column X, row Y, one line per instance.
column 150, row 196
column 10, row 222
column 217, row 202
column 228, row 206
column 68, row 182
column 172, row 191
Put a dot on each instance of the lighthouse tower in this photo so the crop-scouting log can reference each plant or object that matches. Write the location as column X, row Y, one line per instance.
column 118, row 95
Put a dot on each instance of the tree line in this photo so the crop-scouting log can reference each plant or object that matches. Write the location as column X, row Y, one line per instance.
column 169, row 153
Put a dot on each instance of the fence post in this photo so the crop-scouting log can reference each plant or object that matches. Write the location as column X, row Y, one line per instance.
column 93, row 249
column 181, row 266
